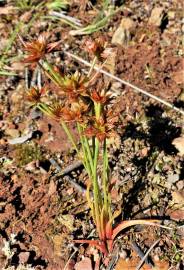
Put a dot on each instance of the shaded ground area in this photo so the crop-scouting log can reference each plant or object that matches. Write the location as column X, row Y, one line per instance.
column 42, row 210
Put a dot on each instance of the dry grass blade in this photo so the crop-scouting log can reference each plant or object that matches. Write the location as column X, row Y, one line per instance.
column 68, row 178
column 71, row 256
column 128, row 223
column 140, row 253
column 67, row 18
column 146, row 255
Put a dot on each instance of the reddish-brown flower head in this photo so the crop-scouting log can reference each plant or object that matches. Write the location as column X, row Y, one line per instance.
column 71, row 116
column 56, row 111
column 102, row 128
column 34, row 95
column 100, row 97
column 95, row 47
column 37, row 49
column 74, row 86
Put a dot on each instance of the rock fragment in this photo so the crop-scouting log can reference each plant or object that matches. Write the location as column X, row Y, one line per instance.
column 157, row 16
column 172, row 178
column 124, row 32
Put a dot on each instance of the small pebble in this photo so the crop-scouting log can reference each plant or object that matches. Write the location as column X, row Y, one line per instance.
column 180, row 184
column 12, row 132
column 156, row 17
column 173, row 178
column 156, row 258
column 23, row 257
column 2, row 142
column 182, row 29
column 30, row 166
column 123, row 254
column 171, row 15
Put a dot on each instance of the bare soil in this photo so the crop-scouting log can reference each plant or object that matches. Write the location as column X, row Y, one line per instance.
column 41, row 208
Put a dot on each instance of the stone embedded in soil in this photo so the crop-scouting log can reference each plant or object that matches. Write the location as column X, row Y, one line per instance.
column 123, row 254
column 52, row 188
column 31, row 166
column 14, row 133
column 177, row 215
column 171, row 15
column 124, row 32
column 7, row 10
column 178, row 76
column 85, row 263
column 156, row 17
column 110, row 61
column 179, row 144
column 180, row 185
column 173, row 178
column 23, row 257
column 178, row 199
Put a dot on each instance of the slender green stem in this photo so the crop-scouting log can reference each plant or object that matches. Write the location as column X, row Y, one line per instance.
column 44, row 108
column 97, row 195
column 7, row 73
column 86, row 162
column 105, row 176
column 95, row 163
column 98, row 109
column 86, row 142
column 91, row 166
column 53, row 17
column 69, row 134
column 93, row 145
column 96, row 189
column 52, row 74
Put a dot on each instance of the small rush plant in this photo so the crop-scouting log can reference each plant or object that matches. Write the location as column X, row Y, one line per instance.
column 89, row 109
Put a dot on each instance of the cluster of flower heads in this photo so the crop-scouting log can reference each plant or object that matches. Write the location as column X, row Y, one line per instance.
column 78, row 96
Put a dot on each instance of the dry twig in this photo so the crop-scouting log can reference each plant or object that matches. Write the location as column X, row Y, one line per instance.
column 141, row 254
column 146, row 255
column 66, row 171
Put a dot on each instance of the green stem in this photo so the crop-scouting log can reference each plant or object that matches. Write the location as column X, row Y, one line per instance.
column 98, row 109
column 68, row 133
column 105, row 177
column 96, row 189
column 96, row 158
column 86, row 143
column 97, row 194
column 51, row 73
column 86, row 162
column 44, row 108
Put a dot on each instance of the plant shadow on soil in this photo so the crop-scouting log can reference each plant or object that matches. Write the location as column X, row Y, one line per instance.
column 161, row 133
column 33, row 260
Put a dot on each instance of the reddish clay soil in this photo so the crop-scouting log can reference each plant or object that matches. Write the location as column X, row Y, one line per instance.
column 41, row 207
